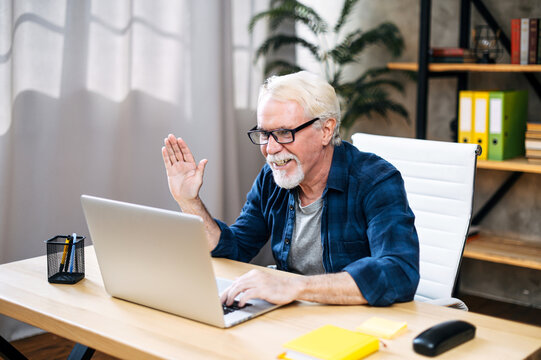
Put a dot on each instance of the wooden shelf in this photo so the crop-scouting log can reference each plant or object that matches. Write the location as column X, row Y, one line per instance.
column 517, row 164
column 443, row 67
column 504, row 251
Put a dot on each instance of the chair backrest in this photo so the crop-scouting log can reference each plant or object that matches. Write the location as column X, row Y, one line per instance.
column 439, row 180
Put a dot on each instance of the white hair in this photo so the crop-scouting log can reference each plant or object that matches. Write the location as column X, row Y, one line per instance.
column 316, row 96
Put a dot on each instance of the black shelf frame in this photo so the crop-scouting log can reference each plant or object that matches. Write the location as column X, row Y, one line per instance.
column 464, row 41
column 462, row 79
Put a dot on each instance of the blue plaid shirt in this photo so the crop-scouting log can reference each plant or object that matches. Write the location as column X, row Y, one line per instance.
column 366, row 226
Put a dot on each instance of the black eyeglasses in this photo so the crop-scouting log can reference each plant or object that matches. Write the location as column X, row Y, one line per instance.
column 281, row 136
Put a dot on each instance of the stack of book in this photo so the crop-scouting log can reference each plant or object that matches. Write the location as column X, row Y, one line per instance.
column 525, row 41
column 495, row 120
column 330, row 342
column 533, row 142
column 450, row 55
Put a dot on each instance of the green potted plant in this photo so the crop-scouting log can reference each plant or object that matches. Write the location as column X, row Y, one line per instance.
column 362, row 97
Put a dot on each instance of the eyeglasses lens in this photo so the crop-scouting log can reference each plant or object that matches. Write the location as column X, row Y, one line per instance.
column 281, row 136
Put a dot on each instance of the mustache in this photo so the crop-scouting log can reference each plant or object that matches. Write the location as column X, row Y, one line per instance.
column 281, row 157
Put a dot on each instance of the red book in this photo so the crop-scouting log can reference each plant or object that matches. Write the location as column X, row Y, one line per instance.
column 532, row 46
column 515, row 41
column 447, row 51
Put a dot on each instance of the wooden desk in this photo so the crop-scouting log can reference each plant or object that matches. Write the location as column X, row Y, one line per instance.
column 85, row 314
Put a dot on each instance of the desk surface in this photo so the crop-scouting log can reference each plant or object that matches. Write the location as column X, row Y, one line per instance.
column 85, row 314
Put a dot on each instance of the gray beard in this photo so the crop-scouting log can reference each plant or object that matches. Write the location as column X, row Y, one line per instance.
column 288, row 182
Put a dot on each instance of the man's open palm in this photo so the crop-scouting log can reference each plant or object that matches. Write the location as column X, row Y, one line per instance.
column 184, row 176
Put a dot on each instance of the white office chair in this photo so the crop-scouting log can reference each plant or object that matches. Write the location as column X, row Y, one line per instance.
column 439, row 179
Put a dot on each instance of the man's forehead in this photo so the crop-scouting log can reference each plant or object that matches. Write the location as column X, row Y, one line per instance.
column 283, row 122
column 270, row 104
column 274, row 113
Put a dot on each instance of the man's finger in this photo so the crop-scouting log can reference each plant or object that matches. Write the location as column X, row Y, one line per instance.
column 175, row 148
column 225, row 294
column 201, row 166
column 231, row 295
column 185, row 150
column 170, row 151
column 233, row 291
column 224, row 298
column 166, row 159
column 248, row 295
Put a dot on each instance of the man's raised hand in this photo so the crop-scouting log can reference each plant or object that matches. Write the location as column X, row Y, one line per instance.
column 184, row 176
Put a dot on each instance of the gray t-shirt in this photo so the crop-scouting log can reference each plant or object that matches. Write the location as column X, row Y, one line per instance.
column 306, row 252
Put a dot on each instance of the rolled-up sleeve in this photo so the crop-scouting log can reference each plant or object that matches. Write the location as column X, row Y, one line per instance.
column 391, row 272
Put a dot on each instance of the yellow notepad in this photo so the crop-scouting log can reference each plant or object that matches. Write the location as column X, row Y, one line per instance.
column 382, row 327
column 330, row 342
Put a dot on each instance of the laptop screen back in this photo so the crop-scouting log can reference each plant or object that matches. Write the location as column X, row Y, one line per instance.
column 154, row 257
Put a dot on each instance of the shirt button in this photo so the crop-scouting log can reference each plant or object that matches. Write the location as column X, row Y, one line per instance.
column 290, row 207
column 287, row 241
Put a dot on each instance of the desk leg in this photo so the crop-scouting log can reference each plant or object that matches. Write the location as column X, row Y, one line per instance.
column 81, row 352
column 9, row 352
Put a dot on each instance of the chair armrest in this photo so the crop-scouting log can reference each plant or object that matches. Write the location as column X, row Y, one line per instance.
column 449, row 302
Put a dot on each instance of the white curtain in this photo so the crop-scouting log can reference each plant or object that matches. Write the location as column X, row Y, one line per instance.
column 88, row 91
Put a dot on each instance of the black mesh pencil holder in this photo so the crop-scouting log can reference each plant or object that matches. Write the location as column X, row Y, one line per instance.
column 65, row 259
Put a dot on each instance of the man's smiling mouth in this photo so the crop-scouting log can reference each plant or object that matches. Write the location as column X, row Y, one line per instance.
column 281, row 162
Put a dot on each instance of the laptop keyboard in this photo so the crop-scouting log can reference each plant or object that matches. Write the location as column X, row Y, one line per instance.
column 234, row 307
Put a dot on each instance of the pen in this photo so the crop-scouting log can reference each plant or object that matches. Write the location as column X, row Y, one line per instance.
column 64, row 254
column 73, row 238
column 68, row 256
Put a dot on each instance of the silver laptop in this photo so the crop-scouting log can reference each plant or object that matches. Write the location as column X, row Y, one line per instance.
column 160, row 258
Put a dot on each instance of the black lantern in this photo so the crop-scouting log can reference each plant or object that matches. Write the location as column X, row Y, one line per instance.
column 486, row 46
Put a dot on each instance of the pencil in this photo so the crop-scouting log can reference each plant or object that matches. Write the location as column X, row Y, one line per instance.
column 64, row 254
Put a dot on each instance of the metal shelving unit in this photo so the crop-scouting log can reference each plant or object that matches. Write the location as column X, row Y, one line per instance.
column 489, row 248
column 460, row 71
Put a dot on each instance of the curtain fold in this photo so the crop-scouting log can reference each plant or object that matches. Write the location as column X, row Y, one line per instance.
column 88, row 91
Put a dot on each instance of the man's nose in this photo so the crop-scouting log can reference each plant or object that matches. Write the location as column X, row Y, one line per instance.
column 273, row 146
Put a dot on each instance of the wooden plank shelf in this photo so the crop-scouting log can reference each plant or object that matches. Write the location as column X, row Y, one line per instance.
column 517, row 164
column 504, row 251
column 443, row 67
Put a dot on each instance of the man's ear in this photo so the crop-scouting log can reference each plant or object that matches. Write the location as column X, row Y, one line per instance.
column 328, row 130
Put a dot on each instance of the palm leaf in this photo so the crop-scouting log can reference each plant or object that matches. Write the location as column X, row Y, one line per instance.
column 372, row 73
column 275, row 42
column 375, row 72
column 370, row 106
column 280, row 67
column 386, row 34
column 346, row 10
column 395, row 84
column 371, row 101
column 292, row 10
column 369, row 93
column 410, row 75
column 335, row 81
column 342, row 52
column 372, row 79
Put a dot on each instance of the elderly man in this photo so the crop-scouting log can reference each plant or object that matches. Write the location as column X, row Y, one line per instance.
column 336, row 215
